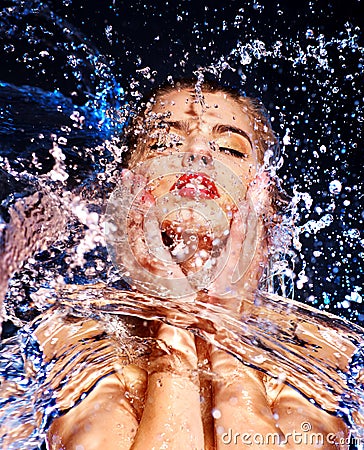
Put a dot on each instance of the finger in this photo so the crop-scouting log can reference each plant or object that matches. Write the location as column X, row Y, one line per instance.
column 145, row 233
column 147, row 246
column 153, row 237
column 249, row 245
column 259, row 260
column 230, row 255
column 221, row 286
column 134, row 188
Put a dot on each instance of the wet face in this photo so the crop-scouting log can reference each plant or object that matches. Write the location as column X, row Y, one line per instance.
column 207, row 137
column 212, row 142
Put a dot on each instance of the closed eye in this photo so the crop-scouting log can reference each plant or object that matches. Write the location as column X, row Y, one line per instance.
column 233, row 152
column 158, row 146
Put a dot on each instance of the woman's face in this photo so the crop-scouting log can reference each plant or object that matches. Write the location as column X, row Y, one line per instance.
column 207, row 136
column 212, row 143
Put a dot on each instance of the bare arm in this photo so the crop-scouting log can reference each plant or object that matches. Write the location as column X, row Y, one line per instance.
column 172, row 412
column 241, row 407
column 105, row 419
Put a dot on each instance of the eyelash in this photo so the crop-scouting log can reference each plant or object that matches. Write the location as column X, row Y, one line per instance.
column 233, row 152
column 163, row 147
column 157, row 147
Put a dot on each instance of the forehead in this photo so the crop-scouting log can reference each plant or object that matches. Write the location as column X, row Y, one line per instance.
column 217, row 108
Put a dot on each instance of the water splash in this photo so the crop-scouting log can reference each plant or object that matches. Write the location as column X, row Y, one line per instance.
column 274, row 341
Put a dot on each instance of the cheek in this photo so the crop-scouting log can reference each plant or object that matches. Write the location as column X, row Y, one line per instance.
column 245, row 171
column 228, row 205
column 248, row 173
column 251, row 173
column 243, row 168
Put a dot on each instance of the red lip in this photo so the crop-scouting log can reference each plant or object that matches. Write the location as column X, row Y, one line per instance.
column 202, row 186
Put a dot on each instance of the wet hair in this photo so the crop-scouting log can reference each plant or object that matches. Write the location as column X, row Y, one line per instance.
column 264, row 137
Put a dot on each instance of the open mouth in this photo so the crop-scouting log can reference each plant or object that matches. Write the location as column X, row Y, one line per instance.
column 195, row 185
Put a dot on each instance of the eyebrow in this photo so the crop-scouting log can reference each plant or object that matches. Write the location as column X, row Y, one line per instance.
column 183, row 125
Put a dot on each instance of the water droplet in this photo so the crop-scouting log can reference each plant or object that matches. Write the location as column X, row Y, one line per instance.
column 353, row 233
column 335, row 187
column 216, row 413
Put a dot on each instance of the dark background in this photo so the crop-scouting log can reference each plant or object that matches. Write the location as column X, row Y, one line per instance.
column 107, row 43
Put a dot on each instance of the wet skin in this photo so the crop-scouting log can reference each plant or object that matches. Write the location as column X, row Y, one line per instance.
column 238, row 398
column 207, row 136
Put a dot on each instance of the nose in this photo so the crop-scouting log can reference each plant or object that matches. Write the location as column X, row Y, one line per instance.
column 198, row 154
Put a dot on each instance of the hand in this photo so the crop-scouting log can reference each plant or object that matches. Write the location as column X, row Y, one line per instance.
column 137, row 244
column 241, row 262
